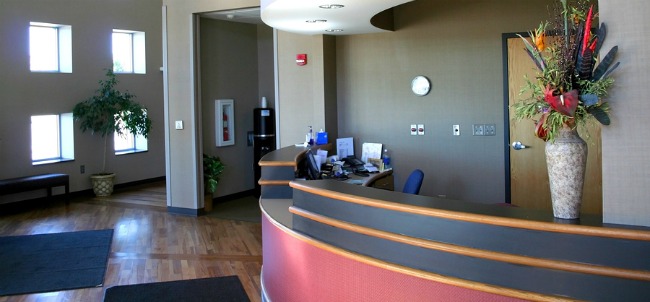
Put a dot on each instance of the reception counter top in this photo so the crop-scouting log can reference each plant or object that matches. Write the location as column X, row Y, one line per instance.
column 332, row 241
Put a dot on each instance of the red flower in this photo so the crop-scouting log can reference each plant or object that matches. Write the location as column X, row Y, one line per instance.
column 565, row 103
column 587, row 33
column 540, row 127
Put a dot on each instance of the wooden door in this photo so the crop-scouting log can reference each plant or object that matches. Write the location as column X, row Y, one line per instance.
column 528, row 174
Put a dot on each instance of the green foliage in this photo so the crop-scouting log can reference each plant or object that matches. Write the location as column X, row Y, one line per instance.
column 212, row 170
column 112, row 111
column 569, row 63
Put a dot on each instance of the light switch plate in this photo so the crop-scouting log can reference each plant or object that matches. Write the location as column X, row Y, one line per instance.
column 414, row 129
column 456, row 130
column 420, row 129
column 490, row 129
column 179, row 125
column 478, row 129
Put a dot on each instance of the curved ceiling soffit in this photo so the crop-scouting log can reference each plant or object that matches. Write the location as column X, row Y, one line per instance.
column 307, row 17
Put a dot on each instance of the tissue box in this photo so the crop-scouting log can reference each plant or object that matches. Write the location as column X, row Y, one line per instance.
column 321, row 138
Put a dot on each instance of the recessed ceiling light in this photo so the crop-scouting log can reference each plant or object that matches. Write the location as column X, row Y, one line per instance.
column 334, row 30
column 331, row 6
column 316, row 21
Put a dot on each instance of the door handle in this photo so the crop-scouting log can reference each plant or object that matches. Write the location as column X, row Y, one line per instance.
column 518, row 146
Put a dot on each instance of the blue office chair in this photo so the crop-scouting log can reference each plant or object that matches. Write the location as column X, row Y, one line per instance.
column 414, row 182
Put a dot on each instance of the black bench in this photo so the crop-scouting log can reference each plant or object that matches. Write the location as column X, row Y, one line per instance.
column 30, row 183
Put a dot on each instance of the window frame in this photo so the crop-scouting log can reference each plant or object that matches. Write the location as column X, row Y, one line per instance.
column 138, row 143
column 63, row 47
column 138, row 51
column 65, row 140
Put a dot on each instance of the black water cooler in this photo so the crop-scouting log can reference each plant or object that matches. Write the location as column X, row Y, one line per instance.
column 263, row 139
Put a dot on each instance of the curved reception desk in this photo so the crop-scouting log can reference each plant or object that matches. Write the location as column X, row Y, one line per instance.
column 333, row 241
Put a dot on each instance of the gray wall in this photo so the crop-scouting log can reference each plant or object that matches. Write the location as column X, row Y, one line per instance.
column 626, row 160
column 234, row 65
column 23, row 93
column 457, row 45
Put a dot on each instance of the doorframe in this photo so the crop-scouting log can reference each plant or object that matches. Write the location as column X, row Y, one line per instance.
column 506, row 111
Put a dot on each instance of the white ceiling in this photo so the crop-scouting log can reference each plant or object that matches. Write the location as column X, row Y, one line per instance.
column 353, row 18
column 245, row 15
column 294, row 15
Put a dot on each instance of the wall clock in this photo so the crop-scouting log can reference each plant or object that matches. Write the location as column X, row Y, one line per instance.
column 420, row 85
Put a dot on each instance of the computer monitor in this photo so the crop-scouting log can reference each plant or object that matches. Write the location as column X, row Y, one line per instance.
column 313, row 172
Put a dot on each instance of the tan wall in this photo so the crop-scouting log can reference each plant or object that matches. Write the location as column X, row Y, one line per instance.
column 23, row 93
column 457, row 45
column 301, row 88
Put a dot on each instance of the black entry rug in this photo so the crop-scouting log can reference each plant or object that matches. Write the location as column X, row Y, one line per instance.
column 53, row 262
column 221, row 289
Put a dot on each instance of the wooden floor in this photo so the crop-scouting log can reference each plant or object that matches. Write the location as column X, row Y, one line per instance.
column 149, row 244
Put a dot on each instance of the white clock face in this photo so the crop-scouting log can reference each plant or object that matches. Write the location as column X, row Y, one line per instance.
column 421, row 85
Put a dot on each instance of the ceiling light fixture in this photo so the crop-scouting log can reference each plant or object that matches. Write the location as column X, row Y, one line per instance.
column 331, row 6
column 336, row 30
column 316, row 21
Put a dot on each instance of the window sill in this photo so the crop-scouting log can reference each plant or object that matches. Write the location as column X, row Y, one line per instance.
column 130, row 151
column 51, row 161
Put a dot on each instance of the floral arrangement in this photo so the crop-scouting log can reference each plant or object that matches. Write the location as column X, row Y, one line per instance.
column 571, row 82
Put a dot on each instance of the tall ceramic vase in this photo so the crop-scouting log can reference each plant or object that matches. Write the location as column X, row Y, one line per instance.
column 566, row 160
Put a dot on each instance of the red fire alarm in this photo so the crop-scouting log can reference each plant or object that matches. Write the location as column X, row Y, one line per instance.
column 301, row 59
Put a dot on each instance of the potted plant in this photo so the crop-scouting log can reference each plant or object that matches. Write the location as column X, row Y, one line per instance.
column 212, row 169
column 107, row 112
column 570, row 89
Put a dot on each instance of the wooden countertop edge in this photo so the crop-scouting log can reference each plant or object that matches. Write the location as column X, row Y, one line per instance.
column 479, row 218
column 277, row 163
column 284, row 163
column 531, row 296
column 569, row 266
column 265, row 182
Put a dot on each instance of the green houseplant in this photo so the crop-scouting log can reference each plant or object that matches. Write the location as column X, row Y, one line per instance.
column 110, row 111
column 212, row 170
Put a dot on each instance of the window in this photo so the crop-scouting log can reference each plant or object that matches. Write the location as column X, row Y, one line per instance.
column 129, row 143
column 128, row 52
column 52, row 138
column 50, row 47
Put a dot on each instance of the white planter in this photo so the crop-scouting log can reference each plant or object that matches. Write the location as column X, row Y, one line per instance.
column 566, row 160
column 102, row 184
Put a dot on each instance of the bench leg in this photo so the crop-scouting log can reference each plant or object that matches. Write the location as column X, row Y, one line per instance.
column 67, row 194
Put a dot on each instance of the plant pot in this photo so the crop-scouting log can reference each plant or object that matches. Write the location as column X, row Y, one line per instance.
column 207, row 202
column 566, row 160
column 103, row 184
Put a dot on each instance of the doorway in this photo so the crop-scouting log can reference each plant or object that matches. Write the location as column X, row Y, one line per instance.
column 235, row 55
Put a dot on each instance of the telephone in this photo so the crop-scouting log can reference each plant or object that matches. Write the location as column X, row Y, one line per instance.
column 353, row 161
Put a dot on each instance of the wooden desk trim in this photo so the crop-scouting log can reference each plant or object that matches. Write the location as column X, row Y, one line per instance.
column 264, row 182
column 279, row 163
column 619, row 233
column 504, row 291
column 477, row 253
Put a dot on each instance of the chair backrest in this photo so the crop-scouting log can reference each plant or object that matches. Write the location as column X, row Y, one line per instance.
column 414, row 182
